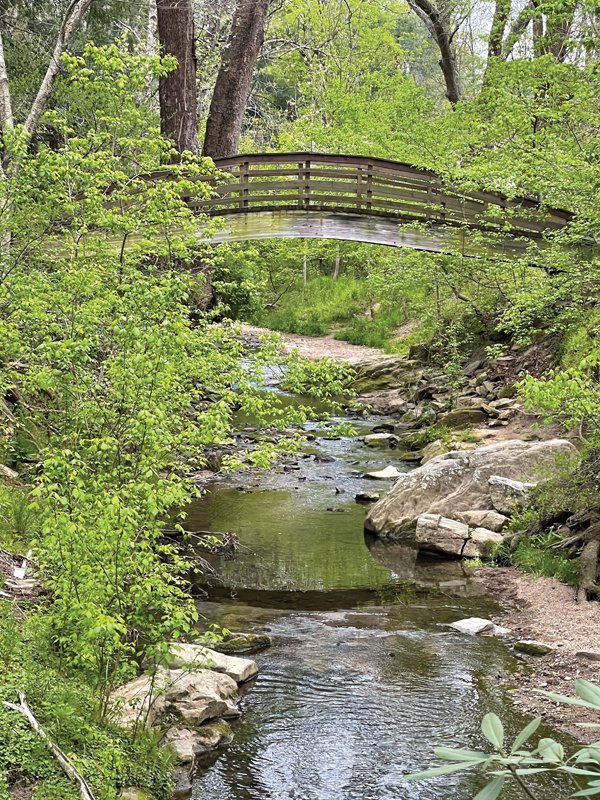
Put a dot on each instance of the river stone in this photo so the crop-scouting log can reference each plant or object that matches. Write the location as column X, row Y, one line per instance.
column 463, row 417
column 532, row 648
column 133, row 793
column 383, row 474
column 182, row 742
column 441, row 534
column 195, row 656
column 506, row 494
column 182, row 778
column 367, row 497
column 377, row 439
column 491, row 520
column 480, row 543
column 458, row 481
column 433, row 449
column 589, row 655
column 476, row 625
column 236, row 643
column 192, row 696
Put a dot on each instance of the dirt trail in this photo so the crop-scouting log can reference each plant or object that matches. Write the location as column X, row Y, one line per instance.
column 546, row 610
column 316, row 346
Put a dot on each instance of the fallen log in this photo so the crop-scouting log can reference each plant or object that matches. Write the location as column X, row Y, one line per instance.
column 63, row 760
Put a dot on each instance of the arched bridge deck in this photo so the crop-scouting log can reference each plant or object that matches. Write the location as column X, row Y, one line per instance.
column 316, row 195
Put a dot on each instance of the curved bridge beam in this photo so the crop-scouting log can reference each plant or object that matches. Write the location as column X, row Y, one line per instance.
column 357, row 198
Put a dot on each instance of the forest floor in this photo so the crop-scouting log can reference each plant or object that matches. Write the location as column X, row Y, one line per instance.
column 546, row 610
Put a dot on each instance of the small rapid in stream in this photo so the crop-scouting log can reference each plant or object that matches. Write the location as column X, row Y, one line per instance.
column 364, row 676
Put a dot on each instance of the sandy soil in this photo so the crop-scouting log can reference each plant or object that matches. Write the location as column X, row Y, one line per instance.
column 546, row 610
column 316, row 346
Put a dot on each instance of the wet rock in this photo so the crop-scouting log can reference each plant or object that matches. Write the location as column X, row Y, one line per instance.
column 378, row 439
column 324, row 458
column 243, row 643
column 182, row 777
column 193, row 697
column 195, row 656
column 491, row 520
column 506, row 494
column 383, row 474
column 458, row 481
column 475, row 625
column 384, row 427
column 367, row 497
column 532, row 648
column 463, row 417
column 182, row 742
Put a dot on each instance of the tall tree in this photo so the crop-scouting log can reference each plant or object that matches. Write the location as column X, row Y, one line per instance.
column 177, row 90
column 232, row 89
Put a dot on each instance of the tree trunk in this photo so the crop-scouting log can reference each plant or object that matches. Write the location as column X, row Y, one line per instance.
column 177, row 90
column 499, row 23
column 437, row 27
column 558, row 30
column 232, row 89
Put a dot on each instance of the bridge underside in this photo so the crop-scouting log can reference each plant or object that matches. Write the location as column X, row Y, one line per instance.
column 299, row 224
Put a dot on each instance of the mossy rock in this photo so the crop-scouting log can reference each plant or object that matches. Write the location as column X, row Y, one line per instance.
column 243, row 643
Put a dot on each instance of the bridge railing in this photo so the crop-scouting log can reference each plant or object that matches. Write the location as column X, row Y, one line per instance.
column 362, row 185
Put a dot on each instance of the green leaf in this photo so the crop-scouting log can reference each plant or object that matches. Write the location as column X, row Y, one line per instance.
column 526, row 734
column 493, row 730
column 588, row 692
column 451, row 754
column 550, row 750
column 492, row 790
column 435, row 771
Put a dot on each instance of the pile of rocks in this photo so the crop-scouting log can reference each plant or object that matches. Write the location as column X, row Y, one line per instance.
column 401, row 385
column 457, row 504
column 189, row 700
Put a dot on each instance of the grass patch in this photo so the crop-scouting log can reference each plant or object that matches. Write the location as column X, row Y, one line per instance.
column 534, row 554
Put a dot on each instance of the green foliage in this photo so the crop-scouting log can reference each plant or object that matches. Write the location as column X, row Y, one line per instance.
column 534, row 554
column 513, row 763
column 67, row 707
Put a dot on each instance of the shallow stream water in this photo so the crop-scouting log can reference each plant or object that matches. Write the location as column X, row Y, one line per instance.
column 364, row 677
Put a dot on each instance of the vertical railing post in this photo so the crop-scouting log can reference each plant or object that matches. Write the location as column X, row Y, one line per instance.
column 306, row 182
column 359, row 180
column 244, row 180
column 369, row 187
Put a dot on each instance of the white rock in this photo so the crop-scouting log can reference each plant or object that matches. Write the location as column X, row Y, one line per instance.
column 441, row 534
column 192, row 696
column 384, row 474
column 475, row 625
column 195, row 656
column 491, row 520
column 506, row 493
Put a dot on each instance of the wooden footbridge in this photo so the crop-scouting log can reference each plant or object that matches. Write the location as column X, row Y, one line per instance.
column 316, row 195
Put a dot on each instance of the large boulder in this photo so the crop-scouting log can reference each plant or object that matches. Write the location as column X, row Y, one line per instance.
column 384, row 372
column 451, row 538
column 506, row 494
column 192, row 697
column 459, row 481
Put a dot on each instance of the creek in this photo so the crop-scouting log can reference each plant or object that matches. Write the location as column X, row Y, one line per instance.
column 364, row 676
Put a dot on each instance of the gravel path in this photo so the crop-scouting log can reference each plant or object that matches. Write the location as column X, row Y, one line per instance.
column 546, row 610
column 316, row 346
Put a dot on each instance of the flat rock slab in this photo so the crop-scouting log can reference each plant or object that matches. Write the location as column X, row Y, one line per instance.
column 389, row 473
column 197, row 657
column 476, row 625
column 532, row 648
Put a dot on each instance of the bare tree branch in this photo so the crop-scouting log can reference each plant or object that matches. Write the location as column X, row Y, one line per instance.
column 63, row 760
column 74, row 16
column 432, row 18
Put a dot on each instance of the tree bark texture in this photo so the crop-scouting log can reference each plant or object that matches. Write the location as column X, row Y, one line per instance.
column 177, row 90
column 234, row 80
column 438, row 29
